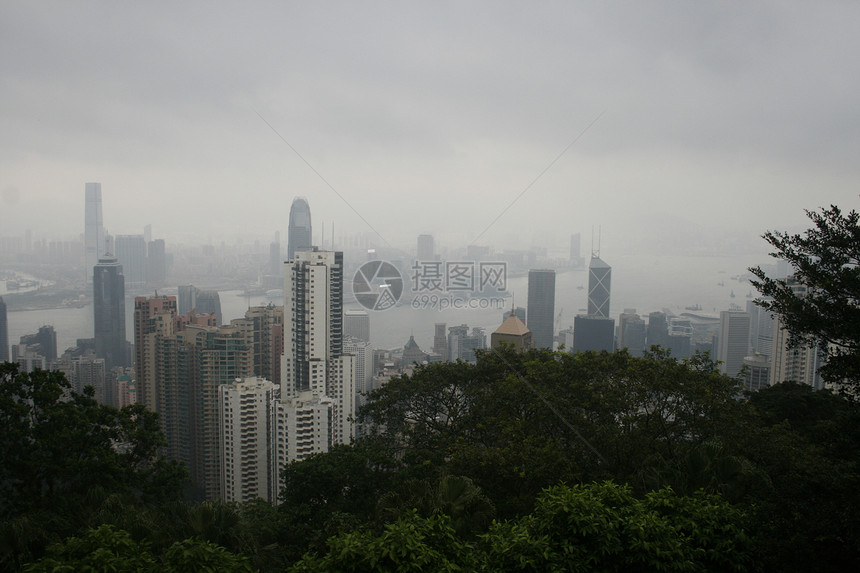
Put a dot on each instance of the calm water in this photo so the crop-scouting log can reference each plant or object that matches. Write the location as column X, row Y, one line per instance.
column 644, row 283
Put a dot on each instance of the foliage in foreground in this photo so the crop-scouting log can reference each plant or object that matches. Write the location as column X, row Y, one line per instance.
column 599, row 527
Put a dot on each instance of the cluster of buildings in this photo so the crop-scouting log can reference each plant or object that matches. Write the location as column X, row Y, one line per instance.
column 238, row 401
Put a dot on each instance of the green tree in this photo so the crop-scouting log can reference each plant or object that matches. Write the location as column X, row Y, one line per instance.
column 826, row 260
column 63, row 456
column 106, row 549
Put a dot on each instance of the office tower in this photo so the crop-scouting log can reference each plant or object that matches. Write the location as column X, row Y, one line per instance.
column 156, row 263
column 658, row 330
column 733, row 341
column 93, row 228
column 315, row 374
column 599, row 277
column 440, row 340
column 4, row 332
column 187, row 295
column 595, row 333
column 513, row 332
column 246, row 415
column 109, row 312
column 462, row 345
column 363, row 353
column 680, row 340
column 631, row 332
column 209, row 302
column 426, row 248
column 130, row 252
column 299, row 232
column 43, row 342
column 757, row 374
column 540, row 316
column 356, row 324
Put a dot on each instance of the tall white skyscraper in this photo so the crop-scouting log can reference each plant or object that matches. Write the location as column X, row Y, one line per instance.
column 94, row 233
column 317, row 379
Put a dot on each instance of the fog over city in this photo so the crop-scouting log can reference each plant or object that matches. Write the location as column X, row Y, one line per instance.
column 666, row 124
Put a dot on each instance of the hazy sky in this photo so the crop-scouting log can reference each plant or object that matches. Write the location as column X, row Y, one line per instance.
column 429, row 116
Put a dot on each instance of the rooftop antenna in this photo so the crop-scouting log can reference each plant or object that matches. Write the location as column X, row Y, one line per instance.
column 332, row 235
column 595, row 254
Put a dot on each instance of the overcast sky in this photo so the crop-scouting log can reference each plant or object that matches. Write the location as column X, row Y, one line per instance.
column 429, row 117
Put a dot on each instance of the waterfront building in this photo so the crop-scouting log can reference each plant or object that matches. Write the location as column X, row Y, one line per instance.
column 599, row 279
column 595, row 333
column 462, row 345
column 356, row 324
column 131, row 254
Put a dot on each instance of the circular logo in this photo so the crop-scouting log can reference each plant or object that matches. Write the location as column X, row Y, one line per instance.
column 377, row 285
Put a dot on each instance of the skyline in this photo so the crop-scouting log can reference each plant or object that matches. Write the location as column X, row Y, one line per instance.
column 681, row 119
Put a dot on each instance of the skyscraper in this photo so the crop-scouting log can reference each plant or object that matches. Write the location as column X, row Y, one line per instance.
column 599, row 276
column 109, row 312
column 540, row 314
column 4, row 332
column 733, row 341
column 299, row 235
column 93, row 228
column 356, row 324
column 131, row 254
column 209, row 302
column 426, row 248
column 156, row 263
column 314, row 371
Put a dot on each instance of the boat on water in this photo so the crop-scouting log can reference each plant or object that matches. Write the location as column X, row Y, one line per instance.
column 694, row 307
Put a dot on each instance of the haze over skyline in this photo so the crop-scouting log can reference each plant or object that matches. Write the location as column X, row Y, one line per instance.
column 685, row 118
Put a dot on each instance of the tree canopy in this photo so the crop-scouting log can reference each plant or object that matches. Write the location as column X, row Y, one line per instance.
column 825, row 259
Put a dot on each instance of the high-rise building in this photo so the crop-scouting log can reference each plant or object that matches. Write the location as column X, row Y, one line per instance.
column 299, row 232
column 151, row 316
column 540, row 316
column 276, row 263
column 733, row 341
column 363, row 353
column 4, row 332
column 156, row 263
column 757, row 373
column 595, row 333
column 657, row 333
column 187, row 302
column 44, row 342
column 462, row 345
column 631, row 332
column 440, row 340
column 131, row 254
column 315, row 373
column 680, row 341
column 356, row 324
column 599, row 277
column 109, row 312
column 94, row 244
column 576, row 250
column 426, row 248
column 28, row 358
column 247, row 417
column 798, row 364
column 263, row 327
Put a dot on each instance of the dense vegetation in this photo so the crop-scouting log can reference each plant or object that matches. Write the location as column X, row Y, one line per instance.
column 531, row 461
